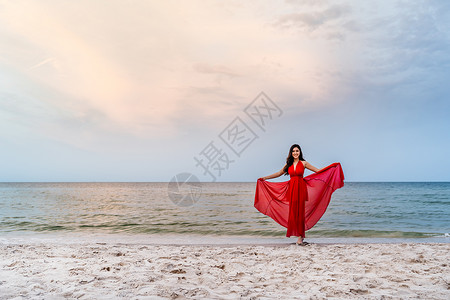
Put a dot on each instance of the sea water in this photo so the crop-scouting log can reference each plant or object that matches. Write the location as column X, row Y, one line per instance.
column 358, row 210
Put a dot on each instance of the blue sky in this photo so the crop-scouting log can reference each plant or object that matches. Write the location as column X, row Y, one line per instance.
column 115, row 91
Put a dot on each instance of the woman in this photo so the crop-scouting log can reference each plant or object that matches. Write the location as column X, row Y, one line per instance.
column 299, row 203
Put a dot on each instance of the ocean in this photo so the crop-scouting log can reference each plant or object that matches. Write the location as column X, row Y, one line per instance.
column 358, row 210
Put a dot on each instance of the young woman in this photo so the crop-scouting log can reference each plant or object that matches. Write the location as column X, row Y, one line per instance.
column 299, row 203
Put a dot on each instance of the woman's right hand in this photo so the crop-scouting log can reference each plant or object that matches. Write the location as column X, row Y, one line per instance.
column 262, row 179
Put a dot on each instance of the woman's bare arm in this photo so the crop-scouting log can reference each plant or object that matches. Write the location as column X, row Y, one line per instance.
column 274, row 175
column 311, row 167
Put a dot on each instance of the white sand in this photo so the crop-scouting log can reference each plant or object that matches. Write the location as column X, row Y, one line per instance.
column 92, row 270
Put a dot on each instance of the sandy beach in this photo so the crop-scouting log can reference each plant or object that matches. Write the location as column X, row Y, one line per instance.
column 105, row 270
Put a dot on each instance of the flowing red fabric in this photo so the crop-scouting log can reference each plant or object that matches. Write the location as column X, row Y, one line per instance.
column 299, row 203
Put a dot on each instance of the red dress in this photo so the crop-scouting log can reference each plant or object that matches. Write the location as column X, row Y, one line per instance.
column 299, row 203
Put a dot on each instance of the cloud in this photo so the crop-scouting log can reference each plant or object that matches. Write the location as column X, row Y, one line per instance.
column 330, row 22
column 156, row 69
column 45, row 61
column 106, row 75
column 214, row 69
column 414, row 52
column 308, row 2
column 313, row 20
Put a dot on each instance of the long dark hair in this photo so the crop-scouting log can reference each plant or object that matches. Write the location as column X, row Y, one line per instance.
column 290, row 158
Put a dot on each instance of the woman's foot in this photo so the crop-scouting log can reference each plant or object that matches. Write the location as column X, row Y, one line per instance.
column 300, row 242
column 303, row 244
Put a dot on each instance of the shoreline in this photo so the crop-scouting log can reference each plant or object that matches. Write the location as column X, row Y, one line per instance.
column 201, row 240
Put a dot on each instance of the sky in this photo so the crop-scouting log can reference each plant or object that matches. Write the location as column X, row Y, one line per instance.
column 110, row 90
